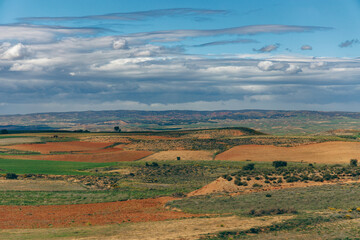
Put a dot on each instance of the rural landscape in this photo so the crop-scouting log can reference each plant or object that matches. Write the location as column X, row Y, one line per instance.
column 179, row 120
column 190, row 183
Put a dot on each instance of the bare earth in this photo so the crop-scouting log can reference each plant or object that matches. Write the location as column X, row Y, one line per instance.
column 45, row 216
column 48, row 147
column 191, row 229
column 328, row 152
column 184, row 155
column 221, row 185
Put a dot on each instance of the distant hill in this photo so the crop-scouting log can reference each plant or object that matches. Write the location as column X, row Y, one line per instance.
column 269, row 121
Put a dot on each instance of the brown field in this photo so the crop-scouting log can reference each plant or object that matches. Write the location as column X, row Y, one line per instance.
column 328, row 152
column 49, row 147
column 39, row 185
column 45, row 216
column 184, row 155
column 193, row 228
column 111, row 156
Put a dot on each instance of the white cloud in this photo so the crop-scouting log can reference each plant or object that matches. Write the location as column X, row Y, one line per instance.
column 292, row 69
column 306, row 47
column 120, row 44
column 272, row 66
column 18, row 51
column 38, row 33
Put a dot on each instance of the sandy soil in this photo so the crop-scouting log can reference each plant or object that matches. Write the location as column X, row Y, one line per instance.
column 162, row 230
column 190, row 229
column 39, row 185
column 48, row 147
column 184, row 155
column 111, row 156
column 328, row 152
column 18, row 140
column 222, row 185
column 142, row 210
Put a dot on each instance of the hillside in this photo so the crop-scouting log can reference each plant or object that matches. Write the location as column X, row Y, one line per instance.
column 269, row 121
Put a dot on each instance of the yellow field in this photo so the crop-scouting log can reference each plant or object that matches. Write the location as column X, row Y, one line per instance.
column 328, row 152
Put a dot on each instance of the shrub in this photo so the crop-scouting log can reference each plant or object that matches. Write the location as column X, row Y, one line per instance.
column 353, row 162
column 240, row 183
column 272, row 211
column 179, row 195
column 249, row 167
column 227, row 177
column 153, row 164
column 11, row 176
column 255, row 185
column 277, row 164
column 292, row 179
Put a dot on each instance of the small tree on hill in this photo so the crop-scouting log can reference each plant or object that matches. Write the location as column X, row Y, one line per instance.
column 353, row 163
column 277, row 164
column 117, row 129
column 249, row 166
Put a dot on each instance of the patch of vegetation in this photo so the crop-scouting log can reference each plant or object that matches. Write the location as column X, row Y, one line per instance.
column 57, row 139
column 80, row 197
column 301, row 199
column 48, row 167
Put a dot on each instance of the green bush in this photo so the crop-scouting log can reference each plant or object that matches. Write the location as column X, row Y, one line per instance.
column 240, row 183
column 11, row 176
column 277, row 164
column 353, row 163
column 249, row 167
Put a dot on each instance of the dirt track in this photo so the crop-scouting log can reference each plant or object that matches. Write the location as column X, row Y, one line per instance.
column 328, row 152
column 143, row 210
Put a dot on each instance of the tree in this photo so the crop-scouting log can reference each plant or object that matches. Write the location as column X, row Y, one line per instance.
column 117, row 129
column 353, row 162
column 4, row 131
column 277, row 164
column 249, row 166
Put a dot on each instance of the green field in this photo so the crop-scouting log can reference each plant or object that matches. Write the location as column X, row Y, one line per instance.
column 47, row 167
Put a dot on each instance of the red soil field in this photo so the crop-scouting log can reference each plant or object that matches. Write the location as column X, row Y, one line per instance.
column 142, row 210
column 110, row 156
column 48, row 147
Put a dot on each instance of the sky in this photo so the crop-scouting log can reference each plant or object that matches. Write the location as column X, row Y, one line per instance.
column 179, row 55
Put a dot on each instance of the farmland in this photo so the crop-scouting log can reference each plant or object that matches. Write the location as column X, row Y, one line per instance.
column 224, row 179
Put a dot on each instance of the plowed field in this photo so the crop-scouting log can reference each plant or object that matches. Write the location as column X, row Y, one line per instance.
column 111, row 156
column 48, row 147
column 143, row 210
column 328, row 152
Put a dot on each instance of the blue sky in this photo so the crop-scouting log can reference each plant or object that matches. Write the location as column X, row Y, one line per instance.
column 157, row 55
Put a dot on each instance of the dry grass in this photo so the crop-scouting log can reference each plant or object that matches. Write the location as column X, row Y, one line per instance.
column 18, row 140
column 184, row 155
column 49, row 147
column 39, row 185
column 172, row 229
column 110, row 156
